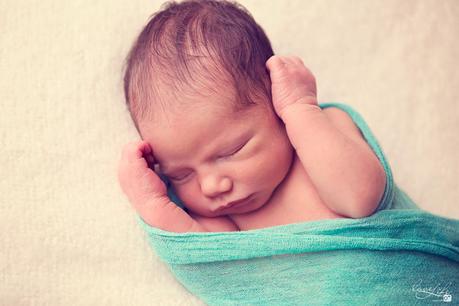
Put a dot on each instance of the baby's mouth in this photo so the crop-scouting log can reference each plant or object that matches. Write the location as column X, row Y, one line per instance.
column 236, row 203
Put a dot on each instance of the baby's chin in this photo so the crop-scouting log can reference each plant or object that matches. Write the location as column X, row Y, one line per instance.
column 248, row 208
column 258, row 202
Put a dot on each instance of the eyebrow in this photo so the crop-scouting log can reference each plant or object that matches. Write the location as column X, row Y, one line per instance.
column 243, row 138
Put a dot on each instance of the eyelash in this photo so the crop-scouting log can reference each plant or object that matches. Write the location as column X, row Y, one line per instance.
column 233, row 152
column 178, row 179
column 227, row 155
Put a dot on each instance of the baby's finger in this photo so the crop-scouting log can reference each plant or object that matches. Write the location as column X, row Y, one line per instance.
column 134, row 150
column 150, row 161
column 289, row 61
column 275, row 63
column 144, row 147
column 130, row 151
column 297, row 61
column 147, row 154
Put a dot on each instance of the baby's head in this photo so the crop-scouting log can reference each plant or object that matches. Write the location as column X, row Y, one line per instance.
column 198, row 91
column 195, row 48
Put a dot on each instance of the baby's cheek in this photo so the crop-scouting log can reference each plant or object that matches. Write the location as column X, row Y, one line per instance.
column 190, row 194
column 260, row 171
column 184, row 192
column 277, row 161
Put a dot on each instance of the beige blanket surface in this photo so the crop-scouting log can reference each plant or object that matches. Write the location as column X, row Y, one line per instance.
column 68, row 235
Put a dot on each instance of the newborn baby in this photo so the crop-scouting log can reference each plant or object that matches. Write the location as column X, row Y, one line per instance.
column 236, row 129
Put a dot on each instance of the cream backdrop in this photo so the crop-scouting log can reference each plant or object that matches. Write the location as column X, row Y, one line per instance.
column 67, row 233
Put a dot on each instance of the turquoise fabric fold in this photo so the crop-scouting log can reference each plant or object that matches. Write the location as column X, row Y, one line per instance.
column 400, row 254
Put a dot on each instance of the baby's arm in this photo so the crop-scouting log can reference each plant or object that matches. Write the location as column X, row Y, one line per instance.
column 346, row 173
column 148, row 194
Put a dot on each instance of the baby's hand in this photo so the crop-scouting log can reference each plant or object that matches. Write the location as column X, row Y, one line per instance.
column 291, row 83
column 147, row 193
column 136, row 179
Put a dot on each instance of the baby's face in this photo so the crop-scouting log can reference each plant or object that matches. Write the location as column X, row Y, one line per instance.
column 213, row 157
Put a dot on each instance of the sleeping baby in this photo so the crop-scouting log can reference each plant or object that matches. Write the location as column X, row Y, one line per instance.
column 235, row 130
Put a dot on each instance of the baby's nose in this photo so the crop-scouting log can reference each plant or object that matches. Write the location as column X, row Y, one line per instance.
column 213, row 185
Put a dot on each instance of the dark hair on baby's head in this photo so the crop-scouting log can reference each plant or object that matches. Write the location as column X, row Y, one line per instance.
column 195, row 44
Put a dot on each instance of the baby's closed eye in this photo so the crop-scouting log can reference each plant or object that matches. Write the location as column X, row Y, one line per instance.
column 179, row 177
column 233, row 151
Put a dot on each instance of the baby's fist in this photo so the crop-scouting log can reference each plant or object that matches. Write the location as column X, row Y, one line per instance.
column 291, row 82
column 148, row 194
column 137, row 180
